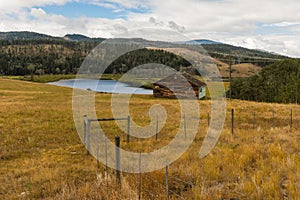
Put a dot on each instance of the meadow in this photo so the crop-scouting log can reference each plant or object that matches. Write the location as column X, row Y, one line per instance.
column 42, row 157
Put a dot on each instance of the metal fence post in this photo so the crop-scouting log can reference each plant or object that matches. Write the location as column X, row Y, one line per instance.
column 84, row 129
column 167, row 183
column 106, row 167
column 156, row 135
column 118, row 164
column 139, row 177
column 98, row 141
column 88, row 137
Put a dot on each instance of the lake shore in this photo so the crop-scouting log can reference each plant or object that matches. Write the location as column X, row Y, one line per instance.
column 48, row 78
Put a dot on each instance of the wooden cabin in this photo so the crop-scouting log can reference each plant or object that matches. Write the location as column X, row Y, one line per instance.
column 179, row 86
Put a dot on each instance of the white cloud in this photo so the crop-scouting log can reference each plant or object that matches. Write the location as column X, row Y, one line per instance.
column 282, row 24
column 38, row 13
column 268, row 25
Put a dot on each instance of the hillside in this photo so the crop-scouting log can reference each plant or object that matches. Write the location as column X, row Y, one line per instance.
column 25, row 35
column 42, row 156
column 278, row 82
column 240, row 70
column 232, row 54
column 24, row 53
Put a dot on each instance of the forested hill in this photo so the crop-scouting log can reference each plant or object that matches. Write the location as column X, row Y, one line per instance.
column 228, row 53
column 25, row 35
column 23, row 53
column 278, row 82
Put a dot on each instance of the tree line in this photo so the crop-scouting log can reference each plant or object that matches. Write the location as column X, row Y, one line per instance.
column 278, row 82
column 24, row 57
column 43, row 56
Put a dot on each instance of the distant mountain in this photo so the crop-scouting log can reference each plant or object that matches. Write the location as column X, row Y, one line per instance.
column 234, row 54
column 202, row 41
column 25, row 35
column 81, row 38
column 76, row 37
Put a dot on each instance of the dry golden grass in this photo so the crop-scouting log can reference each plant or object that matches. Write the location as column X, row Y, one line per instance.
column 41, row 155
column 238, row 70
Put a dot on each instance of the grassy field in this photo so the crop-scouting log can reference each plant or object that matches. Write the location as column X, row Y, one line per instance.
column 56, row 77
column 42, row 157
column 238, row 70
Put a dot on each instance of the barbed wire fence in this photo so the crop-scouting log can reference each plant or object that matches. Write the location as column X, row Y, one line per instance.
column 145, row 185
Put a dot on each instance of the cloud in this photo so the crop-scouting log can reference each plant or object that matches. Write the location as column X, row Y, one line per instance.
column 38, row 13
column 268, row 25
column 176, row 27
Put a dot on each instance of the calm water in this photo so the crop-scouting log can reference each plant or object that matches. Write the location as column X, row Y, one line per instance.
column 108, row 86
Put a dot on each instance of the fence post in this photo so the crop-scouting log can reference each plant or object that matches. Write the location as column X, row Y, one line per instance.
column 208, row 119
column 184, row 119
column 167, row 183
column 254, row 119
column 291, row 122
column 97, row 154
column 273, row 118
column 139, row 177
column 88, row 137
column 128, row 129
column 118, row 164
column 156, row 135
column 232, row 121
column 106, row 167
column 84, row 129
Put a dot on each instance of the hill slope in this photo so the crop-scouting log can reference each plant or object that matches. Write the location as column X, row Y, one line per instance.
column 23, row 53
column 278, row 82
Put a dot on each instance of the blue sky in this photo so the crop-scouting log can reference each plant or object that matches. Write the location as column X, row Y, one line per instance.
column 267, row 25
column 74, row 10
column 81, row 9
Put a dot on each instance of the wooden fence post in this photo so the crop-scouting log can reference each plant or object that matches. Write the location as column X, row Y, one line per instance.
column 208, row 119
column 232, row 121
column 291, row 121
column 118, row 164
column 273, row 119
column 184, row 119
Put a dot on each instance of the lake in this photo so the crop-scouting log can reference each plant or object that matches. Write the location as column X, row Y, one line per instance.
column 108, row 86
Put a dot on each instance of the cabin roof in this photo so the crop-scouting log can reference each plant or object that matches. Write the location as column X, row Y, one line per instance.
column 179, row 77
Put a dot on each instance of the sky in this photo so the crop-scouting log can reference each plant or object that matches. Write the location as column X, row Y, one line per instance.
column 267, row 25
